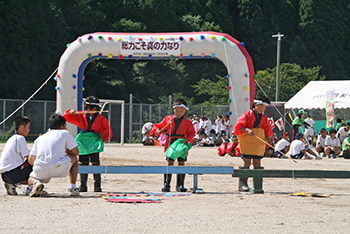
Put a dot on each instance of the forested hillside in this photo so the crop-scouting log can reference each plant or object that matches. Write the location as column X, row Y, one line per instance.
column 34, row 34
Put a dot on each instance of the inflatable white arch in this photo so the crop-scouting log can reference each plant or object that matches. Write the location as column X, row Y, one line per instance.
column 187, row 45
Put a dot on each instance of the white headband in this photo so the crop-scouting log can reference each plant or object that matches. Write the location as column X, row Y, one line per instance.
column 93, row 104
column 259, row 102
column 182, row 105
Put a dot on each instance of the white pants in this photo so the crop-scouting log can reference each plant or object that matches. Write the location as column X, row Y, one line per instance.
column 44, row 171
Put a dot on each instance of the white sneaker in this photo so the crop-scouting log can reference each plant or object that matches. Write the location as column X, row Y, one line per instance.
column 37, row 188
column 318, row 157
column 10, row 188
column 307, row 157
column 28, row 190
column 74, row 192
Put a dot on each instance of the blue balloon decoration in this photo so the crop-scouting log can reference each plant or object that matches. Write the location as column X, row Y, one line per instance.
column 74, row 87
column 74, row 76
column 202, row 37
column 228, row 76
column 57, row 87
column 55, row 78
column 190, row 56
column 229, row 113
column 213, row 55
column 242, row 43
column 149, row 56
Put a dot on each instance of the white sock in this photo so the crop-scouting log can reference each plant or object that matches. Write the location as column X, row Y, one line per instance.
column 72, row 186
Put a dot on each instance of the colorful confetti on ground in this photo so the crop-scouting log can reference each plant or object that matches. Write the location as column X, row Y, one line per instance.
column 138, row 197
column 303, row 194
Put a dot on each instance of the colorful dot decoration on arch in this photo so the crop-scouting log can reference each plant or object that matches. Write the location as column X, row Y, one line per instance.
column 57, row 87
column 247, row 99
column 100, row 37
column 229, row 87
column 110, row 56
column 74, row 86
column 245, row 88
column 229, row 113
column 229, row 101
column 74, row 76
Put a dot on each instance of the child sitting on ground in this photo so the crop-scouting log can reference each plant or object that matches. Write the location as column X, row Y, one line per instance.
column 282, row 145
column 346, row 144
column 54, row 154
column 297, row 147
column 332, row 144
column 14, row 165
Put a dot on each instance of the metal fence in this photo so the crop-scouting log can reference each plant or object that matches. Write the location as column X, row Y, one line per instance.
column 135, row 116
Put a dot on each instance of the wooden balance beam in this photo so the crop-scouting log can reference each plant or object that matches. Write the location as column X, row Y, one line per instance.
column 258, row 175
column 192, row 170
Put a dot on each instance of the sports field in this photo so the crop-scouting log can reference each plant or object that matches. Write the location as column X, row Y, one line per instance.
column 222, row 209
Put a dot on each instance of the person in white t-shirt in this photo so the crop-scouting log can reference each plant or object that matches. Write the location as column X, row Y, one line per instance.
column 332, row 144
column 54, row 154
column 343, row 132
column 218, row 123
column 321, row 141
column 147, row 139
column 282, row 145
column 14, row 165
column 309, row 132
column 297, row 147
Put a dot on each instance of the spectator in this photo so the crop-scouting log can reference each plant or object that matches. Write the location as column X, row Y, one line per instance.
column 309, row 131
column 298, row 122
column 197, row 138
column 282, row 145
column 332, row 144
column 297, row 147
column 346, row 144
column 321, row 141
column 343, row 132
column 147, row 139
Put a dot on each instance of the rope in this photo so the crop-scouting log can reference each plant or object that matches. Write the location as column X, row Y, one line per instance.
column 275, row 148
column 28, row 98
column 284, row 118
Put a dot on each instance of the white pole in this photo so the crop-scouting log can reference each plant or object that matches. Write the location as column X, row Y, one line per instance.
column 279, row 36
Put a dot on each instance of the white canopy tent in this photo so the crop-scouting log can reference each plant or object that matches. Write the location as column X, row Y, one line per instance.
column 314, row 95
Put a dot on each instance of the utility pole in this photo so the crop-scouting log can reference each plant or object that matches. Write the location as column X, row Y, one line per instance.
column 279, row 36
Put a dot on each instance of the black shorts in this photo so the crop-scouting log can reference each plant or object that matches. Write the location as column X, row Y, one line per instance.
column 322, row 150
column 251, row 156
column 93, row 158
column 150, row 143
column 19, row 174
column 179, row 159
column 297, row 156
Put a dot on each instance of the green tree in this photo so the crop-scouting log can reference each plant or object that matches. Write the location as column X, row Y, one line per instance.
column 292, row 79
column 216, row 90
column 324, row 32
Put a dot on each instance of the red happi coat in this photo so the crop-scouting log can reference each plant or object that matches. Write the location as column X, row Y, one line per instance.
column 185, row 130
column 100, row 125
column 247, row 119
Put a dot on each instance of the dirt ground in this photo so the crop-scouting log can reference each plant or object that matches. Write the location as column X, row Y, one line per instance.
column 222, row 209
